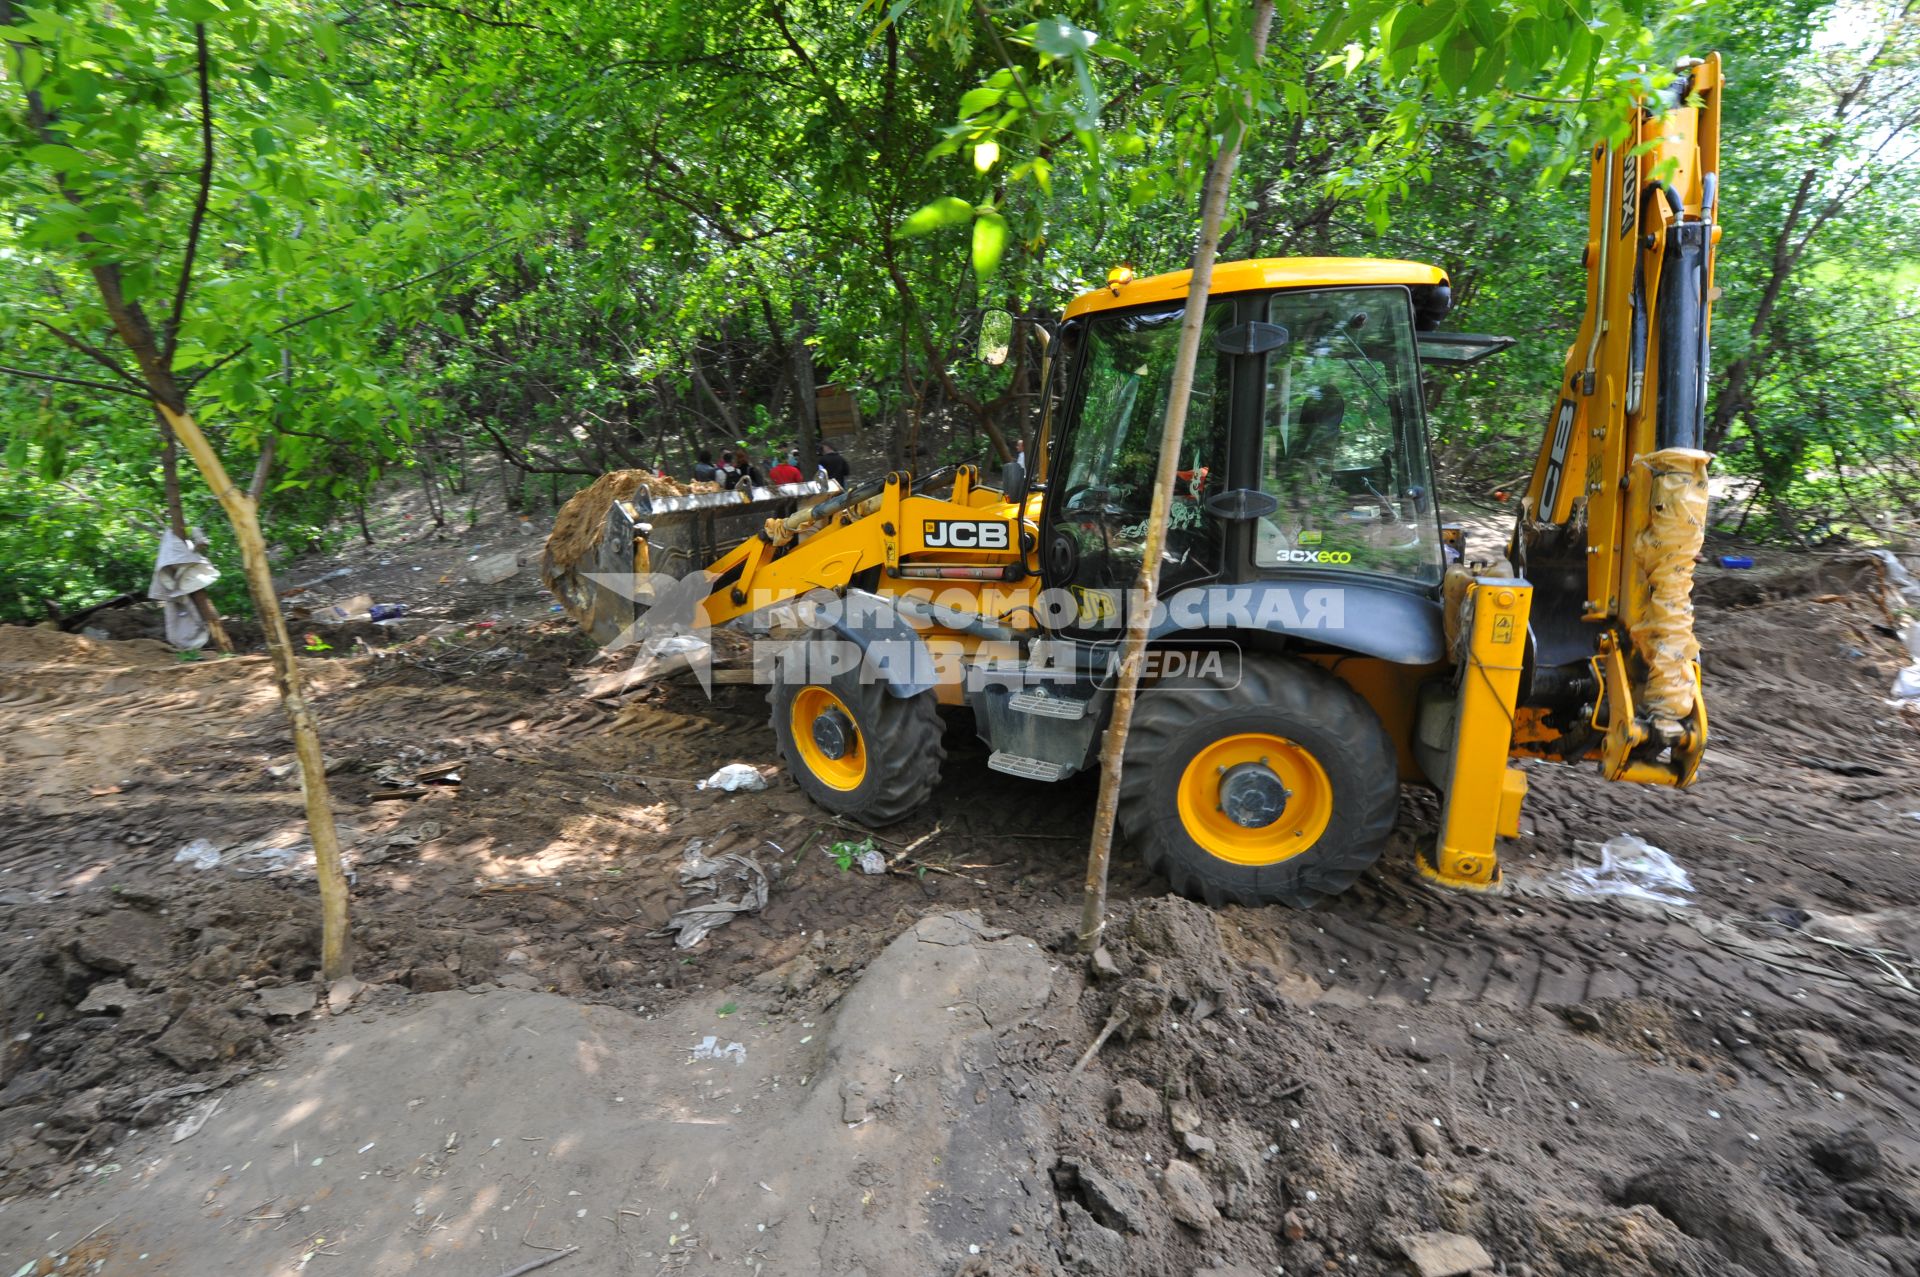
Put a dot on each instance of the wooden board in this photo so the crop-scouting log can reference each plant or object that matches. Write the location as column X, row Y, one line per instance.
column 838, row 410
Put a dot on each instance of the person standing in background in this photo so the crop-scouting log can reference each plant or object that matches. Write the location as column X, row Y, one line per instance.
column 785, row 472
column 704, row 471
column 834, row 464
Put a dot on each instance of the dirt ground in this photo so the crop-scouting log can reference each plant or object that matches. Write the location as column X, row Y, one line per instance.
column 1535, row 1082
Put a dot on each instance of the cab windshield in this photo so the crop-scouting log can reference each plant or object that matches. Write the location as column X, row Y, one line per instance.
column 1107, row 490
column 1343, row 442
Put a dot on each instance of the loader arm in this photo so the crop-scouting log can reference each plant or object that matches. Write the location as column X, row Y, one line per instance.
column 966, row 540
column 1616, row 509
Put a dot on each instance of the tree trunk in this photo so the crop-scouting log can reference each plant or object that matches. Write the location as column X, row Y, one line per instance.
column 434, row 508
column 1213, row 205
column 806, row 404
column 727, row 416
column 177, row 520
column 336, row 961
column 153, row 354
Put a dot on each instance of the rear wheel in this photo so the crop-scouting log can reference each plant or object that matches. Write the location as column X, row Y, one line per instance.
column 855, row 748
column 1280, row 790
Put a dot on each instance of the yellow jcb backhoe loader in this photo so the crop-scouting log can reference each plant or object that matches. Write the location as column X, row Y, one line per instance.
column 1320, row 638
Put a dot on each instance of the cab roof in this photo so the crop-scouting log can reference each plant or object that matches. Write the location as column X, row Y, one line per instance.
column 1261, row 273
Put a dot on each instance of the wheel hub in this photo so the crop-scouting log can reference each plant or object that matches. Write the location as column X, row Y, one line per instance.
column 1252, row 795
column 833, row 733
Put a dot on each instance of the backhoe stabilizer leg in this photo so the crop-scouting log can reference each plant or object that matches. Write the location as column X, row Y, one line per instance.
column 1483, row 792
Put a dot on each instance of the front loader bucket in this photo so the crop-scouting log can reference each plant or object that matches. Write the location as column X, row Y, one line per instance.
column 613, row 537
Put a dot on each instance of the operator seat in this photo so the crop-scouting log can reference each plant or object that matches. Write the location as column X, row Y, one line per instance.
column 1321, row 412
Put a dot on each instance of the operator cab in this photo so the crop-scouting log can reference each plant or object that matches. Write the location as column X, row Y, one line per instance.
column 1305, row 453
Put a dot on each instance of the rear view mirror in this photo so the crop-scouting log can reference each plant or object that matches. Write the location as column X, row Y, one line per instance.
column 996, row 337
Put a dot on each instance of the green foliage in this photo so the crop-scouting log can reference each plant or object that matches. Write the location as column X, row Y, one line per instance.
column 72, row 548
column 288, row 328
column 588, row 235
column 846, row 854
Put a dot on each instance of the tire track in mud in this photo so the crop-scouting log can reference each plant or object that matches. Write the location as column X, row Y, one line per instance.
column 1398, row 942
column 1385, row 940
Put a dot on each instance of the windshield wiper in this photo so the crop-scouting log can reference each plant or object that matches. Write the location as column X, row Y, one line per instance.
column 1373, row 388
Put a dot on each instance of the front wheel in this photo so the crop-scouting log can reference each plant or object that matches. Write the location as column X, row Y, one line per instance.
column 855, row 748
column 1281, row 789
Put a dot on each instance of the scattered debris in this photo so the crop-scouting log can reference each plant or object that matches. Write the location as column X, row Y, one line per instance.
column 1631, row 867
column 403, row 782
column 541, row 1262
column 494, row 568
column 698, row 873
column 1900, row 599
column 735, row 778
column 189, row 1126
column 201, row 853
column 322, row 579
column 709, row 1048
column 356, row 607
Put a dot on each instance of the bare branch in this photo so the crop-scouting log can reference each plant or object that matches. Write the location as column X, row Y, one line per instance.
column 99, row 356
column 262, row 469
column 32, row 374
column 200, row 374
column 171, row 339
column 532, row 465
column 456, row 11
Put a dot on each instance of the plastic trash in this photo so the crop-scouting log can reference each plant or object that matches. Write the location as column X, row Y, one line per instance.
column 198, row 854
column 872, row 862
column 353, row 608
column 178, row 570
column 1902, row 599
column 1735, row 560
column 386, row 611
column 1631, row 867
column 710, row 1049
column 735, row 777
column 702, row 873
column 1906, row 684
column 494, row 568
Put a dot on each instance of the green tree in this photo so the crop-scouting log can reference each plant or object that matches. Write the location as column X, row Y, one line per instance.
column 167, row 174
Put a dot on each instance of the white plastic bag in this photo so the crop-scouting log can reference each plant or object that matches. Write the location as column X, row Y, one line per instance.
column 710, row 1049
column 1906, row 684
column 178, row 570
column 1903, row 597
column 735, row 777
column 1629, row 866
column 201, row 853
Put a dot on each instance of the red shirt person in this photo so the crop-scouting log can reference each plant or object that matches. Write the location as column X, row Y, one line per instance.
column 785, row 472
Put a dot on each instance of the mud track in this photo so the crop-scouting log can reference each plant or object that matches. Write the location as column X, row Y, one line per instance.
column 1575, row 1052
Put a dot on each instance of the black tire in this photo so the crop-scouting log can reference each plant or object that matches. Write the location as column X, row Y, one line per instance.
column 1177, row 719
column 900, row 737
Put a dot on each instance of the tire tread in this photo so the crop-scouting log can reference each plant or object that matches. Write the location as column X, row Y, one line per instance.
column 1296, row 692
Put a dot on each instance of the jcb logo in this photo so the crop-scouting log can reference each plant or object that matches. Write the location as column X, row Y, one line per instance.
column 959, row 534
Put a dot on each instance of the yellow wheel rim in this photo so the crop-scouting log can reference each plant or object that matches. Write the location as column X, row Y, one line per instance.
column 846, row 771
column 1277, row 789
